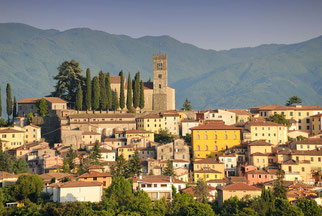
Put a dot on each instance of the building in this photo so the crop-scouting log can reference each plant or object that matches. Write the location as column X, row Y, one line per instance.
column 192, row 190
column 93, row 176
column 150, row 122
column 229, row 118
column 270, row 131
column 242, row 115
column 135, row 133
column 127, row 151
column 239, row 190
column 301, row 114
column 11, row 138
column 175, row 150
column 29, row 105
column 171, row 122
column 186, row 125
column 7, row 178
column 260, row 176
column 230, row 162
column 90, row 137
column 32, row 133
column 208, row 169
column 316, row 124
column 297, row 171
column 307, row 144
column 72, row 191
column 108, row 155
column 214, row 139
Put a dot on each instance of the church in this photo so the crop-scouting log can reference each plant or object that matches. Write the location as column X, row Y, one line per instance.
column 158, row 96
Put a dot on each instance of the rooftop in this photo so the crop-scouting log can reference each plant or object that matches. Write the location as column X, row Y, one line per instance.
column 215, row 127
column 207, row 161
column 75, row 184
column 34, row 100
column 240, row 186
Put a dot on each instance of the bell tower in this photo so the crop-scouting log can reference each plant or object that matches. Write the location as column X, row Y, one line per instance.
column 160, row 82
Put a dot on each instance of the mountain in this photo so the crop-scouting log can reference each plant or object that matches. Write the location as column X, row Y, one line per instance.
column 236, row 78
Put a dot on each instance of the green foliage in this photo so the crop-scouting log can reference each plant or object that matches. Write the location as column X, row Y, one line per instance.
column 20, row 166
column 9, row 100
column 196, row 208
column 15, row 110
column 88, row 97
column 279, row 190
column 96, row 153
column 3, row 122
column 29, row 186
column 134, row 165
column 309, row 207
column 201, row 191
column 42, row 107
column 96, row 93
column 164, row 136
column 115, row 100
column 12, row 164
column 67, row 81
column 79, row 98
column 108, row 91
column 141, row 105
column 136, row 90
column 280, row 119
column 186, row 105
column 129, row 93
column 120, row 168
column 122, row 96
column 293, row 100
column 29, row 118
column 187, row 139
column 168, row 171
column 301, row 138
column 68, row 163
column 103, row 95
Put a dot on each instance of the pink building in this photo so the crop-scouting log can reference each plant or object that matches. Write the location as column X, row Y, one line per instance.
column 260, row 176
column 51, row 162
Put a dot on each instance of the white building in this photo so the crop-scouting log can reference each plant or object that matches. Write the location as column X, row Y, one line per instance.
column 229, row 118
column 230, row 162
column 75, row 191
column 171, row 122
column 108, row 155
column 160, row 186
column 186, row 125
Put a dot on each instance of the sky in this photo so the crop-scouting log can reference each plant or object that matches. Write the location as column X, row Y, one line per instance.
column 208, row 24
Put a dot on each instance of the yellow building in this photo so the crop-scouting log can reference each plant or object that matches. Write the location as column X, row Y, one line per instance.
column 126, row 151
column 214, row 139
column 299, row 113
column 150, row 122
column 141, row 133
column 11, row 138
column 207, row 174
column 316, row 124
column 208, row 169
column 271, row 132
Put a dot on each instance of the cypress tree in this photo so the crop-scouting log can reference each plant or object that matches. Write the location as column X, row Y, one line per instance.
column 103, row 96
column 96, row 93
column 115, row 104
column 14, row 110
column 108, row 91
column 9, row 101
column 129, row 93
column 88, row 99
column 122, row 97
column 79, row 98
column 136, row 91
column 141, row 95
column 0, row 103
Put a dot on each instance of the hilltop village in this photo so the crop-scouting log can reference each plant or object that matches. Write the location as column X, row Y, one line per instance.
column 82, row 140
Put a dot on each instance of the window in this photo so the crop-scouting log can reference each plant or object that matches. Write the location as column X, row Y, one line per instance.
column 260, row 176
column 289, row 168
column 255, row 128
column 206, row 148
column 206, row 137
column 235, row 137
column 291, row 113
column 307, row 114
column 198, row 148
column 216, row 136
column 226, row 136
column 300, row 127
column 319, row 159
column 160, row 76
column 303, row 169
column 308, row 127
column 307, row 120
column 255, row 134
column 263, row 134
column 198, row 137
column 159, row 85
column 159, row 65
column 216, row 148
column 297, row 158
column 300, row 121
column 312, row 159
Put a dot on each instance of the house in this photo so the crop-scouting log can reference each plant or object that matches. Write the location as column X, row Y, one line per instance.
column 32, row 133
column 7, row 178
column 186, row 125
column 127, row 151
column 11, row 138
column 316, row 124
column 150, row 122
column 174, row 150
column 55, row 177
column 108, row 155
column 272, row 132
column 260, row 154
column 208, row 169
column 307, row 144
column 230, row 162
column 206, row 175
column 171, row 122
column 213, row 139
column 89, row 137
column 75, row 191
column 298, row 170
column 115, row 142
column 255, row 177
column 228, row 117
column 93, row 176
column 192, row 190
column 239, row 190
column 158, row 187
column 29, row 105
column 217, row 182
column 135, row 133
column 242, row 115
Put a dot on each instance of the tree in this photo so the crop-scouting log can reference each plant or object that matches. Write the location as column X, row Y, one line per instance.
column 135, row 164
column 15, row 110
column 9, row 101
column 279, row 190
column 6, row 162
column 29, row 186
column 186, row 105
column 79, row 98
column 293, row 100
column 108, row 91
column 129, row 94
column 29, row 118
column 103, row 96
column 168, row 171
column 96, row 93
column 196, row 208
column 163, row 136
column 68, row 163
column 309, row 207
column 3, row 122
column 201, row 191
column 136, row 91
column 96, row 153
column 21, row 166
column 88, row 97
column 122, row 96
column 42, row 107
column 141, row 105
column 115, row 101
column 187, row 139
column 280, row 119
column 120, row 168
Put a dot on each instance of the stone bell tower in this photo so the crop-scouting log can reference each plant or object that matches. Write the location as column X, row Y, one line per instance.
column 160, row 82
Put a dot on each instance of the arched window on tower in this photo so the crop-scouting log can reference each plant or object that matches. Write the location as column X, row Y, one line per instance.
column 216, row 136
column 206, row 137
column 159, row 85
column 216, row 148
column 226, row 136
column 206, row 148
column 198, row 137
column 198, row 148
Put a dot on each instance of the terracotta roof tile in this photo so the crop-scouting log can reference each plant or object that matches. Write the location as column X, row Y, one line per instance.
column 241, row 186
column 10, row 130
column 207, row 161
column 75, row 184
column 159, row 179
column 206, row 171
column 93, row 174
column 260, row 143
column 49, row 99
column 215, row 127
column 150, row 116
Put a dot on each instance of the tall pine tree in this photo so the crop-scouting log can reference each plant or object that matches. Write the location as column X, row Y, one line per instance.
column 14, row 110
column 88, row 98
column 129, row 93
column 103, row 96
column 115, row 104
column 136, row 91
column 108, row 90
column 9, row 101
column 96, row 93
column 141, row 105
column 79, row 98
column 122, row 97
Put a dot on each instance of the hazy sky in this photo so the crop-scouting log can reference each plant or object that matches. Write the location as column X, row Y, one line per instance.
column 210, row 24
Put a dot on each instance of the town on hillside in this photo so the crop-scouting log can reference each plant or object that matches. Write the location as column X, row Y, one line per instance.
column 108, row 139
